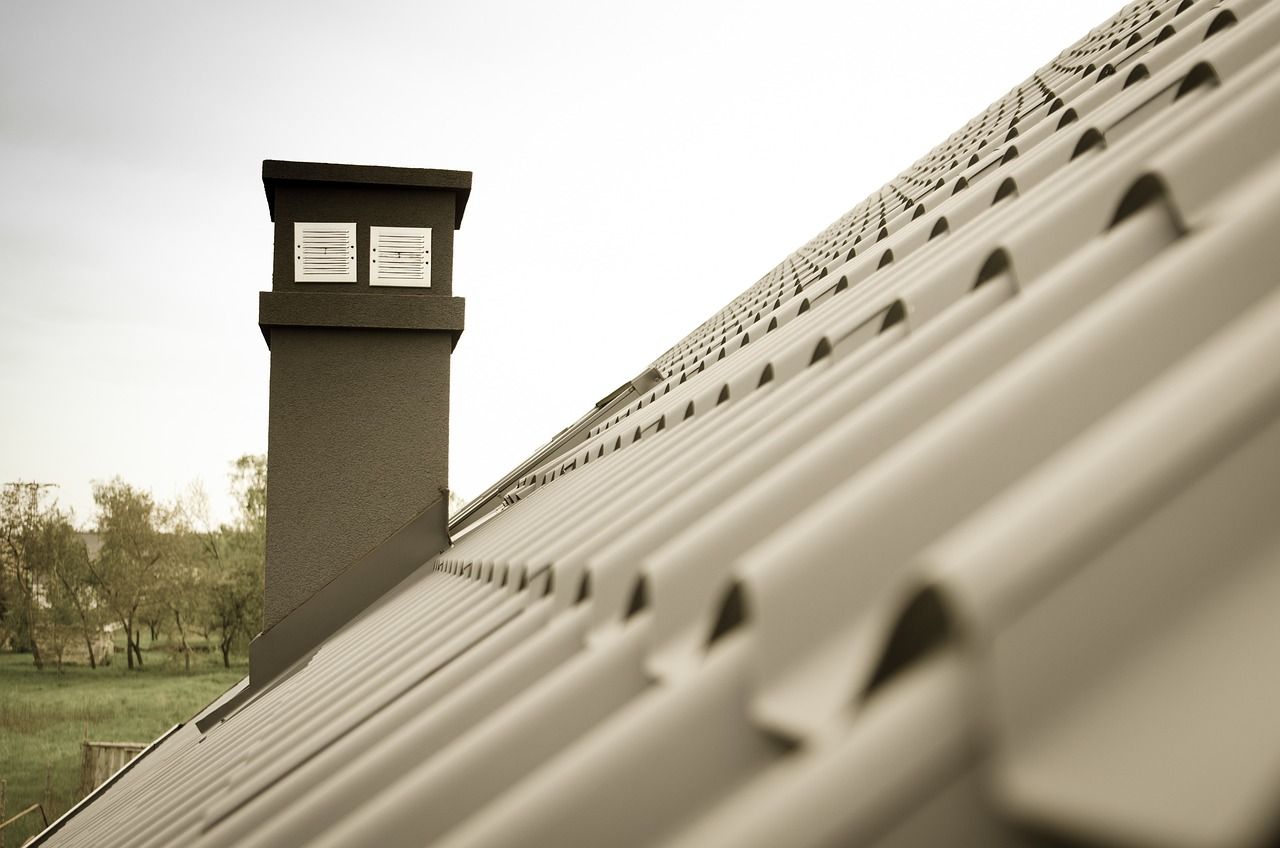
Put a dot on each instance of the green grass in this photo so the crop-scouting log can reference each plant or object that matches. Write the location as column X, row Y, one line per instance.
column 44, row 716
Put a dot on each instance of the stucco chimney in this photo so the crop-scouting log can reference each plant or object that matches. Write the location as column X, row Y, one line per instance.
column 360, row 321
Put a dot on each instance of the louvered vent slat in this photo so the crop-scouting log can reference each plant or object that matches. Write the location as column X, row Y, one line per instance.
column 400, row 256
column 324, row 253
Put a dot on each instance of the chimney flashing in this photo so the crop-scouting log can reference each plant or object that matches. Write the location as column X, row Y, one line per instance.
column 349, row 594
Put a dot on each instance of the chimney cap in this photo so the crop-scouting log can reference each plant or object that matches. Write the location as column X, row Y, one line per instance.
column 276, row 171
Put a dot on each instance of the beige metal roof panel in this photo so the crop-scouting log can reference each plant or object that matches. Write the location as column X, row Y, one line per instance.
column 689, row 562
column 700, row 731
column 307, row 703
column 561, row 703
column 1157, row 598
column 745, row 375
column 867, row 777
column 798, row 582
column 481, row 765
column 518, row 661
column 726, row 532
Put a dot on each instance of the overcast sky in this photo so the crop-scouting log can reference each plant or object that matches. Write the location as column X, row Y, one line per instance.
column 636, row 166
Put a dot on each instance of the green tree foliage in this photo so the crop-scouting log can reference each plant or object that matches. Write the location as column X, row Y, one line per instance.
column 48, row 599
column 21, row 567
column 127, row 573
column 249, row 486
column 72, row 604
column 179, row 598
column 235, row 556
column 159, row 565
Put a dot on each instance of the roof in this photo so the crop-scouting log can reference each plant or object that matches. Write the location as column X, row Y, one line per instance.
column 956, row 527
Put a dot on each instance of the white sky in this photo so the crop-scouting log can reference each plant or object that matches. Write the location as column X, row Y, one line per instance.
column 636, row 166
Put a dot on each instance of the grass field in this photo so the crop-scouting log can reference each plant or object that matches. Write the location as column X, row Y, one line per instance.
column 44, row 716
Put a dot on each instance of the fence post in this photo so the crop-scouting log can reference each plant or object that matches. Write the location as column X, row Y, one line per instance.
column 3, row 785
column 86, row 769
column 48, row 789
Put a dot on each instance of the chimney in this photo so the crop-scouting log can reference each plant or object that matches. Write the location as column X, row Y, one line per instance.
column 360, row 322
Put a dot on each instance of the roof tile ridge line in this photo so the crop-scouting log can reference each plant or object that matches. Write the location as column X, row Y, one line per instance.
column 797, row 255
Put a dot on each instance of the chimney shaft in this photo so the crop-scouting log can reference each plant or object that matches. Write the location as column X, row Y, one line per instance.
column 360, row 322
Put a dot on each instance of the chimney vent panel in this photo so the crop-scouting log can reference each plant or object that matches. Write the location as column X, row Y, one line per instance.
column 400, row 256
column 324, row 253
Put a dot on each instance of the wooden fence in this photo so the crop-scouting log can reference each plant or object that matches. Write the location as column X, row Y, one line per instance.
column 100, row 760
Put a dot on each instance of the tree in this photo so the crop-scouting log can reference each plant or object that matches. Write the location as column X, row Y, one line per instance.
column 235, row 557
column 43, row 569
column 184, row 579
column 56, row 628
column 235, row 591
column 249, row 487
column 72, row 602
column 21, row 511
column 127, row 571
column 182, row 585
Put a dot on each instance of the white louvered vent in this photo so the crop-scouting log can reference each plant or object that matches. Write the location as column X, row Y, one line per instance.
column 324, row 253
column 400, row 256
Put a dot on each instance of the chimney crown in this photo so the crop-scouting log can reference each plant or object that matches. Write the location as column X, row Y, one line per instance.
column 278, row 172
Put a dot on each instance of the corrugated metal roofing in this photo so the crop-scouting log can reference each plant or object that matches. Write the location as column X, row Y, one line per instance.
column 957, row 527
